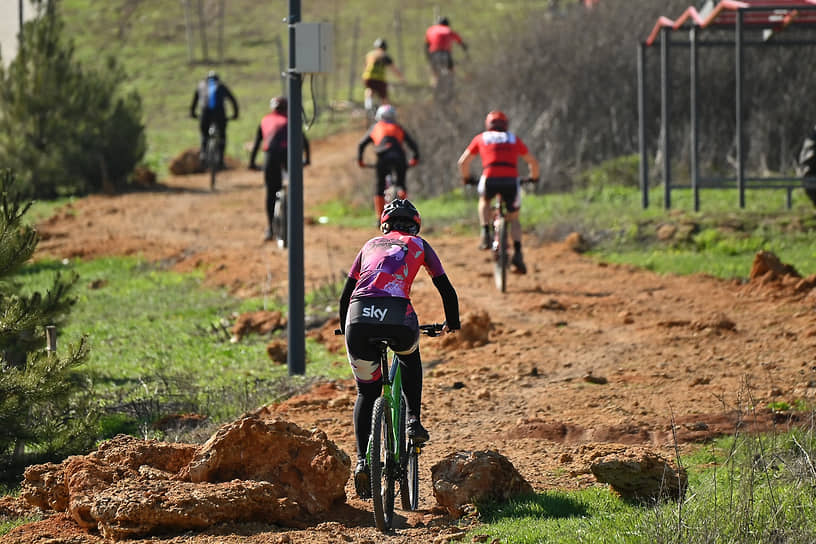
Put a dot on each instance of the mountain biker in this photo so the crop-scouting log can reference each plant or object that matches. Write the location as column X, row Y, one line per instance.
column 272, row 133
column 374, row 76
column 499, row 151
column 375, row 303
column 439, row 39
column 212, row 93
column 388, row 136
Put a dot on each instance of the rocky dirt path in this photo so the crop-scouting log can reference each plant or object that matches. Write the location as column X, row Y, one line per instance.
column 579, row 353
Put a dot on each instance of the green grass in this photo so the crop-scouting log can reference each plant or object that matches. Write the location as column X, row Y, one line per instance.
column 8, row 525
column 158, row 344
column 741, row 489
column 721, row 240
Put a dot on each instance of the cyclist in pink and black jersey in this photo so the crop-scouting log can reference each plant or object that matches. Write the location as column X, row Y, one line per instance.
column 376, row 303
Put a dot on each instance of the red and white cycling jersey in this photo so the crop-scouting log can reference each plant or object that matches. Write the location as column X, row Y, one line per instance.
column 499, row 153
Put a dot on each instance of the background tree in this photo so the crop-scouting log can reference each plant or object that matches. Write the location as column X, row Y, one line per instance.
column 43, row 402
column 65, row 129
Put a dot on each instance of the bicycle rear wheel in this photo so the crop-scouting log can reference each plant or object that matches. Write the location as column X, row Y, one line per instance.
column 382, row 466
column 212, row 161
column 501, row 260
column 279, row 220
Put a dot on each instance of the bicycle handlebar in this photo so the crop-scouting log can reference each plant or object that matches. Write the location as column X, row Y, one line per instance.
column 432, row 329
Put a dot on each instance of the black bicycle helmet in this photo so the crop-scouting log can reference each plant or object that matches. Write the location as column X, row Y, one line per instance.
column 380, row 43
column 442, row 20
column 402, row 216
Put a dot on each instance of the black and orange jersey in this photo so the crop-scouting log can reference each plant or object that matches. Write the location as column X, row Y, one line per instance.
column 388, row 138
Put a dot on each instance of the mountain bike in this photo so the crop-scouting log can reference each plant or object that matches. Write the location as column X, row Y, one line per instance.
column 212, row 153
column 501, row 238
column 443, row 90
column 392, row 190
column 391, row 457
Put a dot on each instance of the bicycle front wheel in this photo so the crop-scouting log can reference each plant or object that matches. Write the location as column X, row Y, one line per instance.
column 501, row 260
column 409, row 489
column 382, row 466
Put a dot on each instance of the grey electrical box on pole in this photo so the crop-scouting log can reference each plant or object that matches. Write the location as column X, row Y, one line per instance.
column 309, row 52
column 313, row 46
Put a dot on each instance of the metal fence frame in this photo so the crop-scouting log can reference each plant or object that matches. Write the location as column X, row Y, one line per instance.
column 740, row 181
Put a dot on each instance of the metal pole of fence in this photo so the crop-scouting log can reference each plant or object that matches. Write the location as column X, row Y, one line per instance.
column 335, row 83
column 353, row 61
column 695, row 187
column 221, row 10
column 296, row 357
column 665, row 93
column 188, row 30
column 398, row 34
column 644, row 159
column 202, row 22
column 738, row 38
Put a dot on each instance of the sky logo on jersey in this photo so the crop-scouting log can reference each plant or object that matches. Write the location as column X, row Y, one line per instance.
column 376, row 313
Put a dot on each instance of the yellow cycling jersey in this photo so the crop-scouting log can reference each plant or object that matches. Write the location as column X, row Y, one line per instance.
column 376, row 61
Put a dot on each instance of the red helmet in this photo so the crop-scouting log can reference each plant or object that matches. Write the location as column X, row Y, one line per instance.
column 496, row 120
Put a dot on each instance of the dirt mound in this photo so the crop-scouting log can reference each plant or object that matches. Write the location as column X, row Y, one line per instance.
column 769, row 274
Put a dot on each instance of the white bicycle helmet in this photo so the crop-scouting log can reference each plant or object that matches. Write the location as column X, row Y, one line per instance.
column 386, row 112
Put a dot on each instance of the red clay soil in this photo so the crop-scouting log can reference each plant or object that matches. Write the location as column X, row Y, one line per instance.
column 579, row 353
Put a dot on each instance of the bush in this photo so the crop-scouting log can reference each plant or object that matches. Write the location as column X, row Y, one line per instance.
column 65, row 129
column 46, row 409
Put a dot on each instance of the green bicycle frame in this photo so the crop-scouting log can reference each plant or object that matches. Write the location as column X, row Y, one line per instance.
column 392, row 391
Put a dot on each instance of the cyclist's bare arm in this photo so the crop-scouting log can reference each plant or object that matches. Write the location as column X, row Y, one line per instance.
column 464, row 164
column 396, row 71
column 532, row 164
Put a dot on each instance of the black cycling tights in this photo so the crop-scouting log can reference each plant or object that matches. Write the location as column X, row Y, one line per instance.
column 367, row 394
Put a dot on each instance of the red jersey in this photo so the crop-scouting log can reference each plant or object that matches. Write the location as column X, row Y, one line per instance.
column 273, row 127
column 499, row 152
column 441, row 38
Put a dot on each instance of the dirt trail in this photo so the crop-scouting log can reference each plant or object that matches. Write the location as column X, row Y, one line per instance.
column 690, row 348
